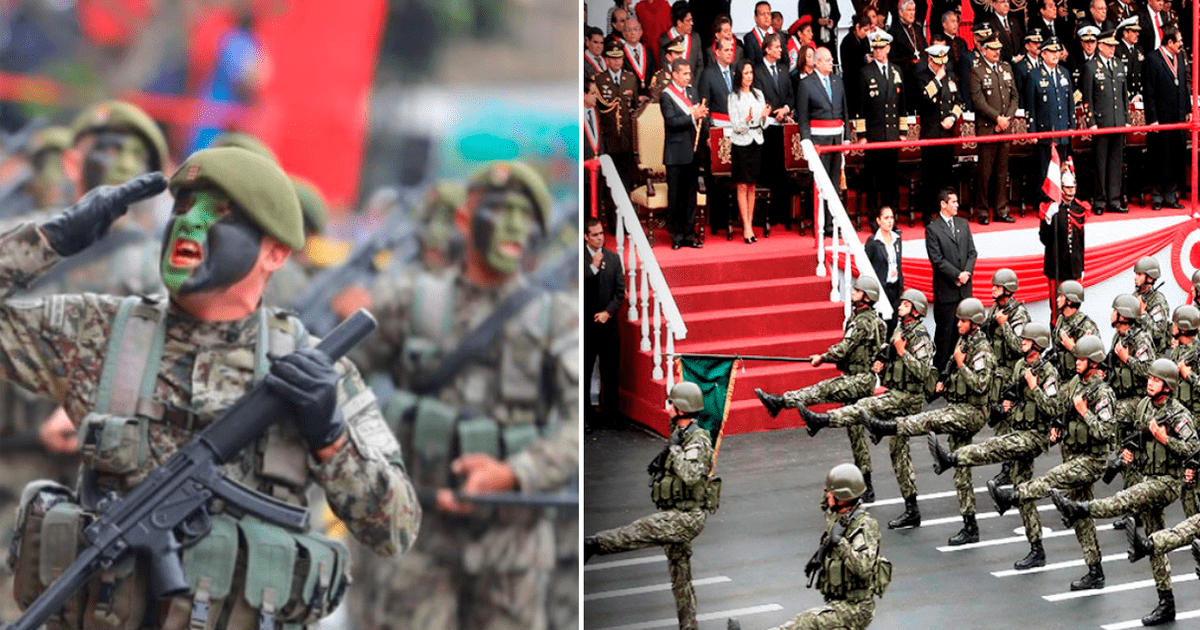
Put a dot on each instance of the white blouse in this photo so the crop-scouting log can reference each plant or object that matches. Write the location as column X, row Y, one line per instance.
column 893, row 272
column 741, row 105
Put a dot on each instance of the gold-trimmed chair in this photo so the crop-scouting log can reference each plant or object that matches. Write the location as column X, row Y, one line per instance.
column 650, row 199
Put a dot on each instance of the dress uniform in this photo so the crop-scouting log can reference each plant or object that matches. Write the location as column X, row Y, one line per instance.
column 938, row 99
column 1027, row 177
column 1062, row 235
column 671, row 51
column 1048, row 107
column 994, row 95
column 618, row 94
column 1105, row 93
column 881, row 91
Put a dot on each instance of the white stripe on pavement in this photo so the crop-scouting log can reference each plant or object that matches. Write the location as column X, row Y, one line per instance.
column 1128, row 586
column 1046, row 533
column 613, row 564
column 923, row 497
column 724, row 614
column 1137, row 623
column 638, row 590
column 1070, row 563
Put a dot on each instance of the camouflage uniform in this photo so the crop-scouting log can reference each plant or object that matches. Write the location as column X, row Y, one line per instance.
column 679, row 520
column 1187, row 396
column 968, row 393
column 1129, row 384
column 1006, row 338
column 1076, row 326
column 1172, row 538
column 1157, row 318
column 864, row 335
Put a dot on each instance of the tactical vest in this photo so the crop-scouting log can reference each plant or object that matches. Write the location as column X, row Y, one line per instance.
column 1075, row 327
column 1184, row 392
column 896, row 376
column 860, row 357
column 1028, row 417
column 836, row 582
column 1156, row 459
column 957, row 390
column 1078, row 439
column 1004, row 356
column 1124, row 382
column 670, row 492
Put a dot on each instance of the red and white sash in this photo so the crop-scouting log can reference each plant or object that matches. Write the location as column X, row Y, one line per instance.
column 687, row 43
column 759, row 36
column 593, row 135
column 680, row 97
column 638, row 68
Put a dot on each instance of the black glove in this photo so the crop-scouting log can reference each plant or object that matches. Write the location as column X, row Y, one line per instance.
column 307, row 379
column 837, row 532
column 86, row 222
column 676, row 438
column 812, row 567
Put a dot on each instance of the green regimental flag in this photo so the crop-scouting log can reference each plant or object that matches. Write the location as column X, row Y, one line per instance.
column 715, row 378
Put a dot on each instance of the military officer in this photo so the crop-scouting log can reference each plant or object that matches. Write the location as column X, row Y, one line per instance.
column 1086, row 431
column 1028, row 193
column 1071, row 324
column 1105, row 93
column 994, row 95
column 882, row 103
column 1128, row 51
column 671, row 51
column 685, row 464
column 1155, row 310
column 1048, row 107
column 1168, row 436
column 939, row 106
column 967, row 391
column 865, row 334
column 618, row 95
column 1029, row 415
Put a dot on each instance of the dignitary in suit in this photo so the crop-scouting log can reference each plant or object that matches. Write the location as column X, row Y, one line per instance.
column 1167, row 100
column 1105, row 93
column 748, row 115
column 1154, row 19
column 638, row 60
column 755, row 41
column 1051, row 107
column 716, row 82
column 881, row 86
column 994, row 94
column 1009, row 30
column 771, row 78
column 683, row 117
column 593, row 145
column 855, row 53
column 723, row 29
column 908, row 47
column 593, row 52
column 618, row 95
column 939, row 108
column 1047, row 21
column 825, row 16
column 681, row 17
column 603, row 293
column 951, row 251
column 824, row 114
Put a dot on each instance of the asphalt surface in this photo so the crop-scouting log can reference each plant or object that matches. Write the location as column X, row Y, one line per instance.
column 749, row 560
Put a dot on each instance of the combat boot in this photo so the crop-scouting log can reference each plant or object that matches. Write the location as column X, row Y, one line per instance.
column 813, row 422
column 968, row 534
column 773, row 403
column 591, row 547
column 1071, row 510
column 1004, row 498
column 911, row 516
column 878, row 428
column 1164, row 612
column 868, row 495
column 1139, row 546
column 1004, row 477
column 1127, row 519
column 943, row 458
column 1093, row 579
column 733, row 624
column 1036, row 557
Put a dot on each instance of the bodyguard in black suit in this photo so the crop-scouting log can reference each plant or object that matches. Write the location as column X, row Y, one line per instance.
column 682, row 114
column 881, row 87
column 715, row 84
column 603, row 293
column 771, row 77
column 951, row 252
column 1106, row 95
column 1167, row 93
column 939, row 108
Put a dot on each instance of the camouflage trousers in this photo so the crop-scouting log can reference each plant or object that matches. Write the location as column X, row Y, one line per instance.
column 890, row 404
column 562, row 602
column 1148, row 499
column 1076, row 476
column 836, row 614
column 1124, row 415
column 1020, row 447
column 843, row 389
column 1171, row 538
column 674, row 530
column 960, row 422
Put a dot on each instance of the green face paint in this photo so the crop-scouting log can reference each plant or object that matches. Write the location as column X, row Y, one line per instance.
column 441, row 244
column 184, row 248
column 502, row 227
column 115, row 158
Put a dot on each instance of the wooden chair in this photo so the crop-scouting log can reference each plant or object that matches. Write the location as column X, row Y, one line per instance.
column 650, row 198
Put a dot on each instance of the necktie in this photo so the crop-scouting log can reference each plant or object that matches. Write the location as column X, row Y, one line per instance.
column 637, row 56
column 1158, row 26
column 728, row 84
column 828, row 90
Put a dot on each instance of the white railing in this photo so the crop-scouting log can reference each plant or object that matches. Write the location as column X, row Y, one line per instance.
column 844, row 240
column 645, row 280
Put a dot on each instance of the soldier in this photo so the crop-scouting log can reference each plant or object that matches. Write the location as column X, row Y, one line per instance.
column 671, row 51
column 1005, row 322
column 1048, row 107
column 994, row 95
column 1085, row 431
column 236, row 219
column 618, row 93
column 1185, row 354
column 1028, row 426
column 882, row 98
column 1029, row 190
column 486, row 372
column 1167, row 437
column 1071, row 324
column 864, row 336
column 1155, row 310
column 968, row 392
column 1135, row 60
column 1105, row 93
column 1194, row 294
column 686, row 463
column 847, row 563
column 1062, row 234
column 939, row 107
column 47, row 185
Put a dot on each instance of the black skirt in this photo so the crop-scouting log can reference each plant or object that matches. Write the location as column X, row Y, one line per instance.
column 747, row 163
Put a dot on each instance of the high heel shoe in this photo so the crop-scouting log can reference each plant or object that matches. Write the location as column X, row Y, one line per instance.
column 753, row 239
column 748, row 241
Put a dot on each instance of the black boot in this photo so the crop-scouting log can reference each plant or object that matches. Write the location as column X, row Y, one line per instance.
column 1164, row 612
column 911, row 516
column 1071, row 510
column 1004, row 498
column 813, row 422
column 878, row 428
column 1126, row 520
column 1004, row 477
column 773, row 403
column 1093, row 579
column 943, row 458
column 1139, row 546
column 733, row 624
column 1036, row 557
column 591, row 547
column 968, row 534
column 868, row 495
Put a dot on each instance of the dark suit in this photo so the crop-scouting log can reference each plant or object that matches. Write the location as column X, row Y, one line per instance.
column 905, row 56
column 1105, row 94
column 877, row 253
column 679, row 159
column 854, row 54
column 754, row 51
column 813, row 8
column 647, row 70
column 777, row 92
column 710, row 55
column 994, row 93
column 1051, row 108
column 590, row 152
column 694, row 54
column 949, row 255
column 1166, row 94
column 1013, row 38
column 1148, row 41
column 712, row 88
column 936, row 100
column 882, row 105
column 603, row 291
column 814, row 104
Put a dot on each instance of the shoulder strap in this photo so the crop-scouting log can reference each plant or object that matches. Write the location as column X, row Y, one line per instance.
column 134, row 347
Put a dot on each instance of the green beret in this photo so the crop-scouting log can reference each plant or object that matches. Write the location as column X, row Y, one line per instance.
column 312, row 204
column 244, row 141
column 514, row 176
column 49, row 138
column 122, row 116
column 257, row 185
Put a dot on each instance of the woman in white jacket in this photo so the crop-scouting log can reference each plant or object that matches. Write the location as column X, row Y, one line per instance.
column 748, row 114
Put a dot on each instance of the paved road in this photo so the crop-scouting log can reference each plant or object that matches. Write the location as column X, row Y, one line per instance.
column 749, row 561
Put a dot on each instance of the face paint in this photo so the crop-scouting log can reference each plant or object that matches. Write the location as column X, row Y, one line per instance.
column 115, row 157
column 441, row 244
column 502, row 226
column 208, row 244
column 51, row 186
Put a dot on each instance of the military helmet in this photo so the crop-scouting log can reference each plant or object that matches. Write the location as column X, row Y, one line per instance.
column 1089, row 347
column 846, row 482
column 443, row 194
column 51, row 138
column 1149, row 266
column 1127, row 306
column 869, row 286
column 918, row 300
column 1038, row 333
column 244, row 141
column 686, row 397
column 971, row 309
column 519, row 176
column 312, row 205
column 1186, row 317
column 1073, row 291
column 122, row 116
column 1006, row 278
column 1166, row 370
column 1196, row 280
column 257, row 185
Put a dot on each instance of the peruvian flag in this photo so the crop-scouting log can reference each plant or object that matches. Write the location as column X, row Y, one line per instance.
column 1052, row 187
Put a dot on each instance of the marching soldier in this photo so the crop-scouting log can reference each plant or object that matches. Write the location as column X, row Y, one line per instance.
column 881, row 94
column 939, row 105
column 1131, row 356
column 1086, row 432
column 1028, row 415
column 1185, row 354
column 994, row 95
column 1071, row 324
column 1105, row 93
column 1155, row 310
column 1006, row 321
column 1167, row 436
column 968, row 392
column 854, row 355
column 618, row 93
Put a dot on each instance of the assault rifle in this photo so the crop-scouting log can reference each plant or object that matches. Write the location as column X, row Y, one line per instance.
column 829, row 540
column 886, row 355
column 1060, row 422
column 1115, row 464
column 1014, row 393
column 169, row 511
column 1193, row 464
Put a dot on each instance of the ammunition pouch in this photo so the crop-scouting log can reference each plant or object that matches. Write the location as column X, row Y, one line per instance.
column 883, row 575
column 116, row 445
column 712, row 495
column 45, row 542
column 670, row 493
